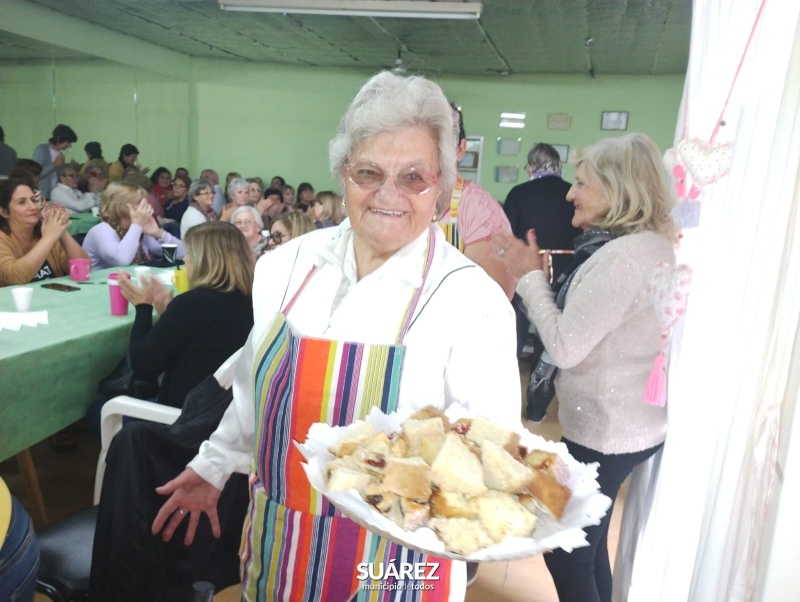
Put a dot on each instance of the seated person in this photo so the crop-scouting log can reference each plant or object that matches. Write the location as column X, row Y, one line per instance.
column 175, row 208
column 66, row 192
column 93, row 180
column 94, row 157
column 200, row 329
column 238, row 195
column 161, row 181
column 200, row 209
column 287, row 226
column 248, row 221
column 326, row 209
column 19, row 549
column 272, row 205
column 28, row 171
column 128, row 155
column 255, row 190
column 34, row 242
column 128, row 232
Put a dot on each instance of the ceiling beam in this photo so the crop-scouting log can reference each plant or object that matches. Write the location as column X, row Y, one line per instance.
column 46, row 25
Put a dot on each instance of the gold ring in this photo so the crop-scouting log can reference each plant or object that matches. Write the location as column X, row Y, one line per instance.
column 181, row 512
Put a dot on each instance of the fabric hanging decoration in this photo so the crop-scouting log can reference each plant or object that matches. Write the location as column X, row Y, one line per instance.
column 668, row 288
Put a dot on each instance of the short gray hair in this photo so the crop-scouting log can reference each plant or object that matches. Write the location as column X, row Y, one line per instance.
column 252, row 210
column 237, row 183
column 544, row 156
column 198, row 186
column 388, row 103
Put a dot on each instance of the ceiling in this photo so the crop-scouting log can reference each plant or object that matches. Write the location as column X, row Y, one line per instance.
column 603, row 37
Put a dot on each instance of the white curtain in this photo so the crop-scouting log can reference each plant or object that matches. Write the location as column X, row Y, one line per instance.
column 696, row 516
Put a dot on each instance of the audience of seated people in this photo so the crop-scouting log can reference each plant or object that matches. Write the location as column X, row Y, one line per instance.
column 200, row 210
column 305, row 194
column 128, row 233
column 238, row 193
column 287, row 194
column 66, row 192
column 287, row 226
column 255, row 190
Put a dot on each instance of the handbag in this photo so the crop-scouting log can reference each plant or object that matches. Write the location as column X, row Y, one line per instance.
column 123, row 381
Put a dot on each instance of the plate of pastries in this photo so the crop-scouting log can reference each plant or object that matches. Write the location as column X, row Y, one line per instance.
column 454, row 485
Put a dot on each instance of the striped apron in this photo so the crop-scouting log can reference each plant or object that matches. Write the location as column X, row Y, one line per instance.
column 450, row 224
column 295, row 545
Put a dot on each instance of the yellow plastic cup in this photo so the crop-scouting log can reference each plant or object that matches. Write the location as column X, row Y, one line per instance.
column 181, row 281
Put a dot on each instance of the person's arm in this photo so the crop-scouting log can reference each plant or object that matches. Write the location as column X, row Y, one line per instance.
column 605, row 295
column 479, row 218
column 155, row 237
column 230, row 447
column 74, row 200
column 68, row 249
column 482, row 372
column 16, row 269
column 114, row 251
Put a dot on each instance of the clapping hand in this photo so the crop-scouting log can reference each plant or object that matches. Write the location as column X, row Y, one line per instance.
column 140, row 213
column 135, row 294
column 55, row 222
column 517, row 257
column 161, row 296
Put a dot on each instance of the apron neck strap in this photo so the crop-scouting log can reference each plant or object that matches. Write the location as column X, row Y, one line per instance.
column 412, row 303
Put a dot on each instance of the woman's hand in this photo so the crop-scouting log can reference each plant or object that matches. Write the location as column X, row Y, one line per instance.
column 140, row 213
column 161, row 296
column 190, row 495
column 227, row 211
column 519, row 258
column 55, row 222
column 136, row 295
column 151, row 227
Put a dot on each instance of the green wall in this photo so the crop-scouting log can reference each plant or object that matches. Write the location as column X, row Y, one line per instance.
column 266, row 120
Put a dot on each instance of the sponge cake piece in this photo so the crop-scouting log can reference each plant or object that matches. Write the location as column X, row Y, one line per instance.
column 425, row 437
column 457, row 469
column 353, row 440
column 460, row 535
column 482, row 429
column 408, row 477
column 449, row 504
column 501, row 471
column 549, row 493
column 502, row 516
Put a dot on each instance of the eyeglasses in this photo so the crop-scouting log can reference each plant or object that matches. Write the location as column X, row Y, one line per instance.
column 369, row 177
column 276, row 236
column 203, row 193
column 247, row 222
column 69, row 175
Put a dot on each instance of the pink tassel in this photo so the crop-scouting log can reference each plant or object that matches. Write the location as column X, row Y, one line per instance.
column 655, row 392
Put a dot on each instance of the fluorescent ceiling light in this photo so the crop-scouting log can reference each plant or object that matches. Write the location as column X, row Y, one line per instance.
column 512, row 124
column 512, row 115
column 407, row 9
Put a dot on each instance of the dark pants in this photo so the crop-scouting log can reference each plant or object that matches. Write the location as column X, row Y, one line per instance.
column 19, row 557
column 584, row 575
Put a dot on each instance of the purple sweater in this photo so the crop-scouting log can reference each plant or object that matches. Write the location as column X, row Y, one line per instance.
column 107, row 250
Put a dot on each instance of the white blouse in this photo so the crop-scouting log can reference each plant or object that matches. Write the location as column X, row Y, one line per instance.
column 461, row 346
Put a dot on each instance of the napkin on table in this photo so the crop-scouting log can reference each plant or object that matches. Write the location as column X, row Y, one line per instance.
column 13, row 320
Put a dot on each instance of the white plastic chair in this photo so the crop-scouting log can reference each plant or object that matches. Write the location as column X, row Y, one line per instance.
column 117, row 408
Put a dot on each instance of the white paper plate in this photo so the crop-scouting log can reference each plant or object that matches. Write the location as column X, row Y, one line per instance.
column 586, row 507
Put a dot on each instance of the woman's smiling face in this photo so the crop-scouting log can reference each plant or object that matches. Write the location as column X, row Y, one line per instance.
column 590, row 200
column 387, row 217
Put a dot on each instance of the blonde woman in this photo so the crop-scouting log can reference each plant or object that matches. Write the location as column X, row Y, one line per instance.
column 201, row 328
column 326, row 209
column 602, row 331
column 287, row 226
column 128, row 232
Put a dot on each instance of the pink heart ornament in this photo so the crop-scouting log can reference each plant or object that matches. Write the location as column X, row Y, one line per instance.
column 705, row 163
column 668, row 288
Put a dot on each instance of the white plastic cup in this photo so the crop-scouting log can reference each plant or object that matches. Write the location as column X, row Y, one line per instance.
column 22, row 298
column 96, row 211
column 142, row 273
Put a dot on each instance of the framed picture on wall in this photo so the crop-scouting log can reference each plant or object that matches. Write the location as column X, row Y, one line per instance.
column 469, row 161
column 507, row 174
column 614, row 120
column 508, row 146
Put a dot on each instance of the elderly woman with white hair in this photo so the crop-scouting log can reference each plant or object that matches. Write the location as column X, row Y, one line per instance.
column 384, row 281
column 250, row 223
column 602, row 331
column 238, row 196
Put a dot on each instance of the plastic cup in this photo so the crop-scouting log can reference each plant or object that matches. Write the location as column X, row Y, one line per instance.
column 22, row 297
column 79, row 269
column 181, row 281
column 142, row 274
column 169, row 253
column 96, row 211
column 119, row 304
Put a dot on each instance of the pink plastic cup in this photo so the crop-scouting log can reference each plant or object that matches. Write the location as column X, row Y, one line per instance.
column 79, row 269
column 119, row 304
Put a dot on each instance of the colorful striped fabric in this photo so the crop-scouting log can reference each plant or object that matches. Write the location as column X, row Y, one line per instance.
column 450, row 226
column 295, row 545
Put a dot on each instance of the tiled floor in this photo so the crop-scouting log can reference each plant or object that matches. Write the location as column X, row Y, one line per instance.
column 67, row 481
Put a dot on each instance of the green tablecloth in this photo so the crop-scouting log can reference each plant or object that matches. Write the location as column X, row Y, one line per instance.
column 82, row 223
column 49, row 374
